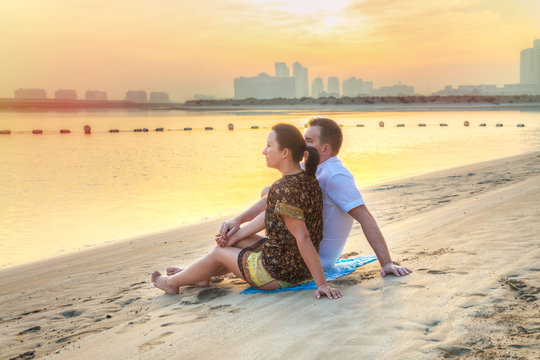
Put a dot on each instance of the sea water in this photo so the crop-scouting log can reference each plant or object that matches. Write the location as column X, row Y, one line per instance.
column 65, row 192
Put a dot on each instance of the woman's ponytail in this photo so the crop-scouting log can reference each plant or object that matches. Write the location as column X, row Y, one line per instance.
column 312, row 161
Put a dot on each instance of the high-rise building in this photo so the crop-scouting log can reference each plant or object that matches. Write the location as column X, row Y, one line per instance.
column 63, row 94
column 282, row 70
column 317, row 87
column 526, row 66
column 136, row 96
column 529, row 67
column 95, row 95
column 264, row 86
column 300, row 75
column 333, row 86
column 159, row 97
column 349, row 87
column 30, row 94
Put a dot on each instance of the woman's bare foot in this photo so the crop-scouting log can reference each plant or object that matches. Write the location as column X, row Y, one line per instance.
column 175, row 270
column 161, row 283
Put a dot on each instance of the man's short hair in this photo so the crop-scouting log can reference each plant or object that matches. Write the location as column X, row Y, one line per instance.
column 330, row 132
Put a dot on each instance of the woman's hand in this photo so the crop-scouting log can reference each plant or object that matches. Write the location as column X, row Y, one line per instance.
column 328, row 291
column 221, row 241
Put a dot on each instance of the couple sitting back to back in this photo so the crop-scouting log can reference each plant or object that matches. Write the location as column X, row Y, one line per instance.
column 293, row 212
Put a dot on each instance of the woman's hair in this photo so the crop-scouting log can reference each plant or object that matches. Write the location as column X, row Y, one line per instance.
column 289, row 137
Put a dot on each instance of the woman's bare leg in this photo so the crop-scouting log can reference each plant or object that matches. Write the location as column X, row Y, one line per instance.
column 216, row 262
column 241, row 244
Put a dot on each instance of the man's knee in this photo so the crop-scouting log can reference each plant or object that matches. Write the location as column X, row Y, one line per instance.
column 265, row 191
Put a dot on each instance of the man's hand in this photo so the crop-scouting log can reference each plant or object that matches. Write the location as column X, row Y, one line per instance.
column 391, row 269
column 229, row 227
column 328, row 291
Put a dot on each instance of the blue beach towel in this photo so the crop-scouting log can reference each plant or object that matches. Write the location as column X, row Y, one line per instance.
column 343, row 267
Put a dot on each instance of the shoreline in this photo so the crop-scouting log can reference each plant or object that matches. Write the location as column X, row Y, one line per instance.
column 216, row 221
column 469, row 233
column 345, row 104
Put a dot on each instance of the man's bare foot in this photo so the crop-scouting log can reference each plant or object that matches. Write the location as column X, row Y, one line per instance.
column 175, row 270
column 161, row 283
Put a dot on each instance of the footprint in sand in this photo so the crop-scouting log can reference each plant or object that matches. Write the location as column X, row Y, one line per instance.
column 149, row 345
column 70, row 313
column 205, row 295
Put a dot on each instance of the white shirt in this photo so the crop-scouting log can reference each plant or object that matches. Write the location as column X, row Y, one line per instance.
column 340, row 195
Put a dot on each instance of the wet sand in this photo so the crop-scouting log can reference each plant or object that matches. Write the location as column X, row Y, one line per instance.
column 470, row 234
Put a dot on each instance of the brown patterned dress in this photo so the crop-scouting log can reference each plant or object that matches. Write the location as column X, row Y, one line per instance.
column 298, row 196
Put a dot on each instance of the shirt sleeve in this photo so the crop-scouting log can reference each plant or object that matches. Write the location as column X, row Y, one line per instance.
column 288, row 203
column 343, row 191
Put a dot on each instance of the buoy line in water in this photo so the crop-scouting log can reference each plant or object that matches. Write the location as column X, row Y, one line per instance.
column 88, row 130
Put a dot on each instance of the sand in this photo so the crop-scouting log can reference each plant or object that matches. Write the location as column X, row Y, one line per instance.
column 470, row 234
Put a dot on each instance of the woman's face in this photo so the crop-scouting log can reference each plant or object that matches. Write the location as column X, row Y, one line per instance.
column 271, row 151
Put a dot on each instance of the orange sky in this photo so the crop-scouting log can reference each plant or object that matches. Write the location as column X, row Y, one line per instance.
column 187, row 47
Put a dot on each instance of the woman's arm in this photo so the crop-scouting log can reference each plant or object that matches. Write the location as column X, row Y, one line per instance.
column 311, row 258
column 251, row 228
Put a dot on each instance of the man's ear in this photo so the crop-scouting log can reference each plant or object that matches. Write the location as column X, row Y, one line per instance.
column 326, row 149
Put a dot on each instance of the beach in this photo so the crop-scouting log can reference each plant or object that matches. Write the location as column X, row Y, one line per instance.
column 470, row 234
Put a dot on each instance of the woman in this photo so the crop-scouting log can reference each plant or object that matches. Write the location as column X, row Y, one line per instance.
column 293, row 219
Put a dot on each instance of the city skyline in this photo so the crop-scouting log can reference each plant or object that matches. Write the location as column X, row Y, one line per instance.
column 184, row 49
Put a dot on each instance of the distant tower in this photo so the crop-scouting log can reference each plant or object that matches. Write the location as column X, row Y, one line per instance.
column 333, row 87
column 62, row 94
column 95, row 95
column 282, row 70
column 529, row 69
column 526, row 66
column 349, row 87
column 159, row 97
column 317, row 87
column 300, row 74
column 136, row 96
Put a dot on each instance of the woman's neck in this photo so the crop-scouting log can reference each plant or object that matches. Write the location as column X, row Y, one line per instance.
column 290, row 169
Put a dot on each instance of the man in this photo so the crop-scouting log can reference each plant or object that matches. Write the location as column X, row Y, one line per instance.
column 342, row 203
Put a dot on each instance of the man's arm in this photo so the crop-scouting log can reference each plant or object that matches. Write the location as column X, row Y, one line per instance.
column 230, row 227
column 376, row 241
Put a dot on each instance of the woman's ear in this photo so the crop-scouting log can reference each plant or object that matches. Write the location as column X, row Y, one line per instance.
column 285, row 153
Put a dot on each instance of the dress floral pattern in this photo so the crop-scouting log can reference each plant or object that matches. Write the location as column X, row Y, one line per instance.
column 298, row 196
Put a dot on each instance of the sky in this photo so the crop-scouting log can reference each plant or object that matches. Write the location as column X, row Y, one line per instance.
column 199, row 47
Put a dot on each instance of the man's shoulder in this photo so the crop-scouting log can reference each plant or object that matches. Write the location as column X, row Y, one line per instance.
column 334, row 167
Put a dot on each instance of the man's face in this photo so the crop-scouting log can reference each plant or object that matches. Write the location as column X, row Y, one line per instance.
column 312, row 137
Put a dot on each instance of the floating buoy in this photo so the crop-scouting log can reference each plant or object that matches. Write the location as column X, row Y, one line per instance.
column 482, row 124
column 254, row 127
column 520, row 125
column 499, row 125
column 340, row 125
column 187, row 128
column 64, row 131
column 381, row 123
column 305, row 125
column 5, row 132
column 231, row 126
column 114, row 131
column 87, row 129
column 137, row 130
column 466, row 123
column 208, row 128
column 159, row 129
column 359, row 125
column 421, row 125
column 145, row 129
column 400, row 125
column 37, row 131
column 443, row 124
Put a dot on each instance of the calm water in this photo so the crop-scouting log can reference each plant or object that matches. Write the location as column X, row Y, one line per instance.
column 64, row 192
